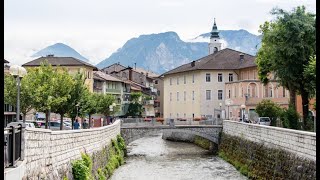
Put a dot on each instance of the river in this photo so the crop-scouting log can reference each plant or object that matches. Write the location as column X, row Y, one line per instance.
column 152, row 158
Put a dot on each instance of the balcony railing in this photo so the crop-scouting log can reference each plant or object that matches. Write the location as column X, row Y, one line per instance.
column 113, row 91
column 12, row 144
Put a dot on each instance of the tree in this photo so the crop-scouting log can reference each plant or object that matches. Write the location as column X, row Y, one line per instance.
column 89, row 102
column 103, row 103
column 78, row 95
column 43, row 83
column 267, row 108
column 26, row 93
column 61, row 98
column 287, row 44
column 135, row 107
column 310, row 74
column 290, row 118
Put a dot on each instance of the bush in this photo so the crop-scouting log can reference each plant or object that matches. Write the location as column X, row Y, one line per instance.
column 290, row 118
column 267, row 108
column 80, row 171
column 101, row 175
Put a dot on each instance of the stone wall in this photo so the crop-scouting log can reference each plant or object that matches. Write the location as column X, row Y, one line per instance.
column 301, row 143
column 48, row 154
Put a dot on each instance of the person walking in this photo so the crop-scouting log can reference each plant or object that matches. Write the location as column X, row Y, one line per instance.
column 76, row 125
column 85, row 124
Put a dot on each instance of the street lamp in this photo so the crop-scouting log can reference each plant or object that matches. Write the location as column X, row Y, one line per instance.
column 18, row 72
column 243, row 107
column 111, row 109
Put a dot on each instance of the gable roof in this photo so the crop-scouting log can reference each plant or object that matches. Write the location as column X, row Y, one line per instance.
column 61, row 61
column 101, row 75
column 223, row 60
column 115, row 64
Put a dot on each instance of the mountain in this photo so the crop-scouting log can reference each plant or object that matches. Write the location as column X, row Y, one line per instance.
column 60, row 50
column 165, row 51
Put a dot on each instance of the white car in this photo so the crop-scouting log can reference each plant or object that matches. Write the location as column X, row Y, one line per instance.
column 29, row 125
column 264, row 121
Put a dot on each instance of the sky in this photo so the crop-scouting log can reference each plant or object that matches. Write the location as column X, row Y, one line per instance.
column 97, row 28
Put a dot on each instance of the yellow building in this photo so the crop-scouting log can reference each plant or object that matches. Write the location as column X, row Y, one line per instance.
column 73, row 66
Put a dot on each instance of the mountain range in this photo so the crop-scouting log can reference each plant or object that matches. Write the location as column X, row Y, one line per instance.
column 163, row 51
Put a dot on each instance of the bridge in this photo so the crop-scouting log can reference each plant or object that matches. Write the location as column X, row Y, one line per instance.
column 132, row 130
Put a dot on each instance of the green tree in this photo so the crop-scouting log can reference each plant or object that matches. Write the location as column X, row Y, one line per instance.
column 78, row 96
column 267, row 108
column 61, row 98
column 287, row 43
column 135, row 107
column 290, row 118
column 26, row 93
column 89, row 104
column 43, row 83
column 310, row 74
column 103, row 103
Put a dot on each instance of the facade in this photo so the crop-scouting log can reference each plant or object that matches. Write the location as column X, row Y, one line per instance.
column 107, row 84
column 73, row 66
column 158, row 102
column 200, row 89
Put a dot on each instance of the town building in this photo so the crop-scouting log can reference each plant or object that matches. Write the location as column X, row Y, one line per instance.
column 200, row 89
column 72, row 64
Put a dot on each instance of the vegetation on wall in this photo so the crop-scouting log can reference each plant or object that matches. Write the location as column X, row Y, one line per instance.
column 256, row 161
column 202, row 142
column 100, row 165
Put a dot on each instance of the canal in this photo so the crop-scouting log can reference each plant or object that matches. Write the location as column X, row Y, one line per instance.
column 154, row 158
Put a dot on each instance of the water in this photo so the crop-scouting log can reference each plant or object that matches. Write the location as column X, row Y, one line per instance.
column 152, row 158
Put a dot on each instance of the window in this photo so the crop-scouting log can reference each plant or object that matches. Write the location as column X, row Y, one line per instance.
column 208, row 94
column 184, row 79
column 177, row 80
column 156, row 81
column 177, row 96
column 192, row 95
column 219, row 94
column 170, row 96
column 271, row 90
column 208, row 77
column 230, row 77
column 192, row 78
column 283, row 92
column 229, row 95
column 220, row 77
column 254, row 74
column 170, row 81
column 184, row 95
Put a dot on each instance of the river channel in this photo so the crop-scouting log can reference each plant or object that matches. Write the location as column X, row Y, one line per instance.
column 152, row 158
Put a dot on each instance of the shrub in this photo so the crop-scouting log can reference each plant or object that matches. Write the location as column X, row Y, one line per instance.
column 267, row 108
column 101, row 175
column 80, row 171
column 290, row 118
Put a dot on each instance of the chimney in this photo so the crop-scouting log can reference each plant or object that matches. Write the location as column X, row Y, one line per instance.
column 193, row 63
column 241, row 57
column 135, row 68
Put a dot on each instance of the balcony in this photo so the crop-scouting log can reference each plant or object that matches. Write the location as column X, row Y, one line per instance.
column 113, row 91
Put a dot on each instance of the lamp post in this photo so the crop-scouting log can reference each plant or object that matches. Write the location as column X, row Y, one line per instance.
column 243, row 107
column 111, row 108
column 18, row 72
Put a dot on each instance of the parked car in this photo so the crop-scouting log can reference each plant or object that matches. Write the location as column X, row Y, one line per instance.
column 33, row 122
column 55, row 126
column 30, row 125
column 264, row 121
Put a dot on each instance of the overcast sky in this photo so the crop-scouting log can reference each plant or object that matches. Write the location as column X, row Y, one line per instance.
column 97, row 28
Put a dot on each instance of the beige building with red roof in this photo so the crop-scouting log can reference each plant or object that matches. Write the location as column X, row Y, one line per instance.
column 200, row 88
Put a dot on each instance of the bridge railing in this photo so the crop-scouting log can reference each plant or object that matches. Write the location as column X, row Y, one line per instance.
column 131, row 122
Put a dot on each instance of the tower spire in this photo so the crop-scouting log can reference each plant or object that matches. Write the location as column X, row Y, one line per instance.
column 214, row 31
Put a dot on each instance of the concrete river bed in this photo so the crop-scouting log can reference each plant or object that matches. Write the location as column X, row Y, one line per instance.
column 152, row 158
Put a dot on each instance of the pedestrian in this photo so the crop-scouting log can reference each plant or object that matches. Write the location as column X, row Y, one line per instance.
column 76, row 124
column 92, row 122
column 85, row 124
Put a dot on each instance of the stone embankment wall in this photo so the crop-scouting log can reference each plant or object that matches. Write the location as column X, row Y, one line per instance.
column 301, row 143
column 48, row 154
column 264, row 152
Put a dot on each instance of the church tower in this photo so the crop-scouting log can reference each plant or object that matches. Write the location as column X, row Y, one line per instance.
column 214, row 44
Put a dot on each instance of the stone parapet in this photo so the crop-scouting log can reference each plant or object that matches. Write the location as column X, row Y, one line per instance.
column 301, row 143
column 49, row 153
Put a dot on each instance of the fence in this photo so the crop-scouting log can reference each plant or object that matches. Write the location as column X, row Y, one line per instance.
column 12, row 144
column 130, row 122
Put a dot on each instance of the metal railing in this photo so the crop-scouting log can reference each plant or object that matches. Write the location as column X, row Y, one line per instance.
column 131, row 122
column 12, row 144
